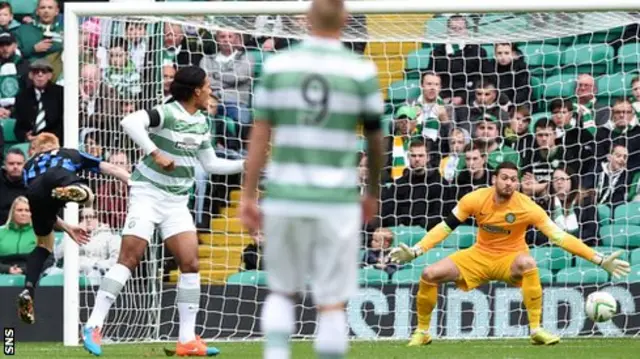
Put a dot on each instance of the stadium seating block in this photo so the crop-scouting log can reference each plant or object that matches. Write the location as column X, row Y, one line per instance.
column 575, row 275
column 251, row 277
column 620, row 235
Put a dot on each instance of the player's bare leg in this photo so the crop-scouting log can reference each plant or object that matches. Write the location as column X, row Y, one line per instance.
column 524, row 268
column 443, row 271
column 35, row 262
column 184, row 247
column 132, row 250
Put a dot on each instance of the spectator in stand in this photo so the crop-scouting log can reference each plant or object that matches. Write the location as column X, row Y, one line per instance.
column 590, row 113
column 11, row 182
column 486, row 136
column 121, row 74
column 17, row 238
column 458, row 64
column 517, row 135
column 510, row 74
column 363, row 172
column 486, row 101
column 176, row 49
column 136, row 34
column 112, row 196
column 252, row 254
column 168, row 73
column 377, row 252
column 39, row 106
column 90, row 53
column 578, row 142
column 43, row 37
column 570, row 208
column 14, row 70
column 92, row 145
column 450, row 165
column 414, row 199
column 7, row 22
column 474, row 175
column 230, row 73
column 614, row 183
column 406, row 129
column 97, row 256
column 226, row 133
column 95, row 97
column 635, row 99
column 435, row 116
column 620, row 130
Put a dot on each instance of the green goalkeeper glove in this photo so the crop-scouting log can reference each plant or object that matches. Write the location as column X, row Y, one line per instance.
column 616, row 267
column 404, row 253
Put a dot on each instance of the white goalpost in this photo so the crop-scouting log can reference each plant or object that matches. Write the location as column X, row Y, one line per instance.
column 144, row 314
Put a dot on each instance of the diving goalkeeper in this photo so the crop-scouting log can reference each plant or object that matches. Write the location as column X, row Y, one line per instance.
column 500, row 253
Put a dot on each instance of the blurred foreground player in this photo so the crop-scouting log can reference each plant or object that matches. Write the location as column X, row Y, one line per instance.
column 310, row 102
column 52, row 180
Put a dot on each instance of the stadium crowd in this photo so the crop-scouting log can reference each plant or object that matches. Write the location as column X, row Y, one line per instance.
column 576, row 154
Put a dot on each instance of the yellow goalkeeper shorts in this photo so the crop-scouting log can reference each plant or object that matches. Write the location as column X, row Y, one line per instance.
column 478, row 267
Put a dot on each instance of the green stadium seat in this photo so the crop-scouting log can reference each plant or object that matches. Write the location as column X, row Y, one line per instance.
column 593, row 59
column 583, row 263
column 575, row 275
column 605, row 36
column 635, row 257
column 417, row 61
column 57, row 280
column 258, row 57
column 250, row 277
column 552, row 258
column 628, row 213
column 24, row 147
column 559, row 86
column 536, row 87
column 461, row 237
column 369, row 276
column 11, row 280
column 8, row 126
column 387, row 120
column 407, row 276
column 633, row 277
column 546, row 276
column 490, row 49
column 24, row 7
column 629, row 57
column 432, row 256
column 604, row 215
column 611, row 87
column 409, row 235
column 543, row 59
column 404, row 90
column 620, row 235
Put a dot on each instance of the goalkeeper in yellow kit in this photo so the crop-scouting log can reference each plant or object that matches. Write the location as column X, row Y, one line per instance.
column 500, row 253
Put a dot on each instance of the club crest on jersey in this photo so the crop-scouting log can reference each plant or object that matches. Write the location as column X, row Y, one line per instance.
column 510, row 218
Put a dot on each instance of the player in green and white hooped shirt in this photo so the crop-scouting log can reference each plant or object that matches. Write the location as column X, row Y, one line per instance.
column 174, row 138
column 309, row 104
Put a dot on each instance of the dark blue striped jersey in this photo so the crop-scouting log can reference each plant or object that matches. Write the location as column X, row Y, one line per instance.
column 61, row 160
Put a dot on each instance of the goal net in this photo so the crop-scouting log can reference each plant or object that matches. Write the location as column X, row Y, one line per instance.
column 552, row 92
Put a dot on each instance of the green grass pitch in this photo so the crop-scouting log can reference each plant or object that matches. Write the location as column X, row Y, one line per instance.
column 592, row 348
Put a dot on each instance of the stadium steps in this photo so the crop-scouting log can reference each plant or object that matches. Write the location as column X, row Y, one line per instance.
column 227, row 225
column 214, row 276
column 225, row 239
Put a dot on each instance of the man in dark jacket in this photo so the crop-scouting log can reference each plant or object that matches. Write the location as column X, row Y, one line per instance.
column 11, row 182
column 415, row 199
column 39, row 106
column 458, row 64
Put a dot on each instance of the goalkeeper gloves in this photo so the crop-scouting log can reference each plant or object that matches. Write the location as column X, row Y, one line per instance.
column 616, row 267
column 404, row 253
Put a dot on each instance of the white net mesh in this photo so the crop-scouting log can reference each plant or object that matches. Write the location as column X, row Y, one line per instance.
column 587, row 59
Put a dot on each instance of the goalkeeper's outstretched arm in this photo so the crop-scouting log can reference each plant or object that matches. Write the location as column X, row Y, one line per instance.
column 436, row 235
column 573, row 245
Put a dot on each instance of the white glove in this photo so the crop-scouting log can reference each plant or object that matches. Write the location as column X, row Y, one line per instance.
column 404, row 253
column 616, row 267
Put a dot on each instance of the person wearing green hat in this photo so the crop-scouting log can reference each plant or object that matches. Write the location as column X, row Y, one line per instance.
column 486, row 136
column 406, row 129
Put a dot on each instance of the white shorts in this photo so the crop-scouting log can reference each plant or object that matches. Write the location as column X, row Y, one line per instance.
column 151, row 208
column 320, row 251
